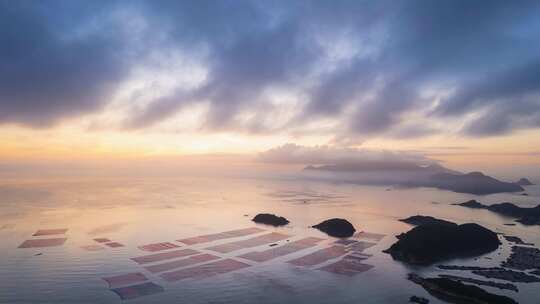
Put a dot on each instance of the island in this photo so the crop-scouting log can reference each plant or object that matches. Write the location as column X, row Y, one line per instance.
column 524, row 182
column 426, row 244
column 473, row 183
column 411, row 175
column 270, row 219
column 417, row 220
column 523, row 215
column 336, row 227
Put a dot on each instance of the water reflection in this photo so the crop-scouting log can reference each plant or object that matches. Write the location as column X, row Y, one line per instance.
column 137, row 212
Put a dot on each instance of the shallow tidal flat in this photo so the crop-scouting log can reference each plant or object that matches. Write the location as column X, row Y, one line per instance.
column 158, row 240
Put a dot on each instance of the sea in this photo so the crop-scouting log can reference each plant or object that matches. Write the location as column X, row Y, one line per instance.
column 134, row 212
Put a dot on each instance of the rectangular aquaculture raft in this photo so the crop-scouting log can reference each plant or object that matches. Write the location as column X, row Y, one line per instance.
column 369, row 236
column 220, row 236
column 114, row 244
column 204, row 270
column 92, row 247
column 345, row 242
column 360, row 246
column 158, row 247
column 249, row 243
column 125, row 279
column 38, row 243
column 266, row 255
column 50, row 232
column 135, row 291
column 192, row 260
column 348, row 267
column 164, row 256
column 320, row 256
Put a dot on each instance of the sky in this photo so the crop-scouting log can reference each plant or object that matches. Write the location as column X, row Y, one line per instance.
column 450, row 81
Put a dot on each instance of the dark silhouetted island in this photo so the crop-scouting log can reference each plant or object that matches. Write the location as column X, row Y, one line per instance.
column 474, row 183
column 270, row 219
column 524, row 182
column 426, row 244
column 336, row 227
column 523, row 215
column 417, row 220
column 456, row 292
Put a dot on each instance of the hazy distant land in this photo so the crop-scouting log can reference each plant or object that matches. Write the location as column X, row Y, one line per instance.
column 413, row 175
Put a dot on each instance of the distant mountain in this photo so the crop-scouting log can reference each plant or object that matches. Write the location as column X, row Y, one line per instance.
column 474, row 182
column 383, row 166
column 524, row 182
column 412, row 175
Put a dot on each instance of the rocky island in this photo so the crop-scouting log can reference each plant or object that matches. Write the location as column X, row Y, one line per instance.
column 336, row 227
column 524, row 182
column 474, row 183
column 426, row 244
column 270, row 219
column 523, row 215
column 417, row 220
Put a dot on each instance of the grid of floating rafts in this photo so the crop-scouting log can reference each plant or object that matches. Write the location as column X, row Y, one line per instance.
column 172, row 261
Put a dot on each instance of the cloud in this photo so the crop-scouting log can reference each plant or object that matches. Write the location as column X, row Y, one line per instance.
column 49, row 73
column 506, row 101
column 365, row 66
column 329, row 155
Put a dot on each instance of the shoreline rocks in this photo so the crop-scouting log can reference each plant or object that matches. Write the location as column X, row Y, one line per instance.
column 507, row 286
column 507, row 275
column 516, row 240
column 456, row 292
column 336, row 227
column 457, row 267
column 426, row 244
column 270, row 219
column 523, row 258
column 498, row 273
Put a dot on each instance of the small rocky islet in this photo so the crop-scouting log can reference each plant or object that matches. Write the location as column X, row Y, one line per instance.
column 270, row 219
column 524, row 182
column 417, row 220
column 336, row 227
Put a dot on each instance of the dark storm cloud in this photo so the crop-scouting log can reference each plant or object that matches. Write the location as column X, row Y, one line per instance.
column 506, row 101
column 63, row 59
column 48, row 73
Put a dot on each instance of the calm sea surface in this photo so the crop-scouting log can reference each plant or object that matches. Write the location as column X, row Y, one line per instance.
column 136, row 212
